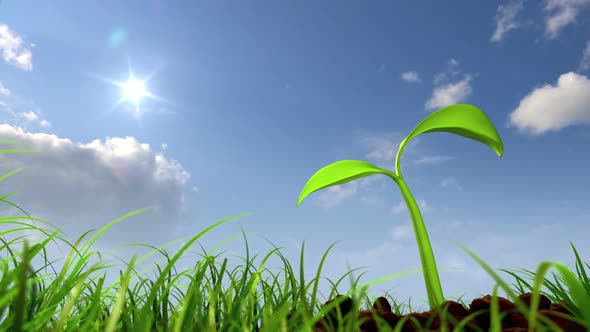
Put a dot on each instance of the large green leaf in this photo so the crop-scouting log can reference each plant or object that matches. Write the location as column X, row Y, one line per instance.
column 338, row 173
column 461, row 119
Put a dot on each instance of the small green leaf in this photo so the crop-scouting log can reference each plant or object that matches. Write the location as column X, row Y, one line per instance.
column 338, row 173
column 462, row 119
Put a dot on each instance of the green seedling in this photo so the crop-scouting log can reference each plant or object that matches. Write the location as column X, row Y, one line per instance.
column 461, row 119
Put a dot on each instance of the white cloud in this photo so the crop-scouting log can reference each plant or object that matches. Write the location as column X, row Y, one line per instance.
column 382, row 148
column 401, row 206
column 439, row 78
column 551, row 108
column 332, row 196
column 431, row 160
column 450, row 182
column 13, row 51
column 506, row 19
column 564, row 12
column 452, row 71
column 424, row 207
column 404, row 231
column 449, row 94
column 19, row 111
column 85, row 186
column 29, row 116
column 448, row 90
column 585, row 62
column 3, row 90
column 366, row 181
column 382, row 151
column 411, row 76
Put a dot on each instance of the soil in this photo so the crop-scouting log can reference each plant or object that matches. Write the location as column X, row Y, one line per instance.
column 512, row 322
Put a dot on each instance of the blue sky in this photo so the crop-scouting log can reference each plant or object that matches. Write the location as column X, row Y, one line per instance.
column 249, row 99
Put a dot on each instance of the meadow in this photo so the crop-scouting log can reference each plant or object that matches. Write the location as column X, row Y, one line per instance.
column 257, row 300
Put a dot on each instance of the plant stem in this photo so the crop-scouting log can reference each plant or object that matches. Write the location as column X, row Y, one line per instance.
column 431, row 279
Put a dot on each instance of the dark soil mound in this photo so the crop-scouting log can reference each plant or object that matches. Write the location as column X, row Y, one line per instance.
column 512, row 321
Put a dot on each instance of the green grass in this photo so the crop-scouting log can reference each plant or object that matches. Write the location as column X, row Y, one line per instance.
column 75, row 301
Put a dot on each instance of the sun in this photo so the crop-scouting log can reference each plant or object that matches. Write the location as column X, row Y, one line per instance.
column 134, row 95
column 133, row 90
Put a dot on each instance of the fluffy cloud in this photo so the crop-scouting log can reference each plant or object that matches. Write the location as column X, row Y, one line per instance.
column 382, row 148
column 448, row 88
column 553, row 107
column 411, row 76
column 30, row 116
column 562, row 13
column 505, row 19
column 85, row 186
column 3, row 90
column 13, row 51
column 404, row 231
column 332, row 196
column 450, row 93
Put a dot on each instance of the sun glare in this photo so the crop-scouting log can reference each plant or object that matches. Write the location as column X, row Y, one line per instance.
column 133, row 90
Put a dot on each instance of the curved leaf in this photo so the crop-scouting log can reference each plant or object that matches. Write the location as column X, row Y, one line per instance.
column 338, row 173
column 465, row 120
